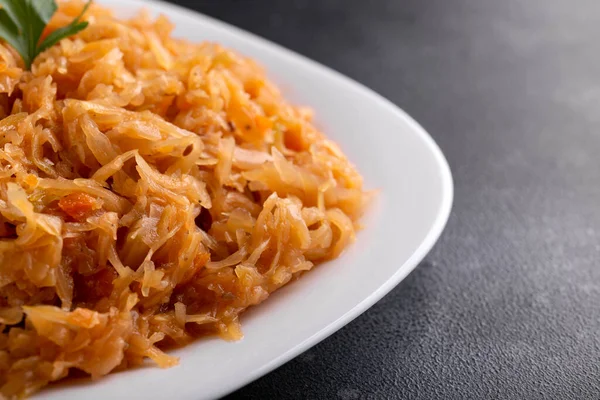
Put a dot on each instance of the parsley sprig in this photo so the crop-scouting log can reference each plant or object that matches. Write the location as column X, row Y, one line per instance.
column 22, row 23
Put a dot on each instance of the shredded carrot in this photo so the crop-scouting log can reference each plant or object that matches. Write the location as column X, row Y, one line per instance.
column 79, row 205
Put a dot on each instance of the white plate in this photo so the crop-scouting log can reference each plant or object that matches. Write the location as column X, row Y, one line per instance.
column 393, row 153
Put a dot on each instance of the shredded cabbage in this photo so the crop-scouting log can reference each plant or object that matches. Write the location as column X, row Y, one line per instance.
column 151, row 190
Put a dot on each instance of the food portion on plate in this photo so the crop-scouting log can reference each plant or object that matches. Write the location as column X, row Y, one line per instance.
column 151, row 190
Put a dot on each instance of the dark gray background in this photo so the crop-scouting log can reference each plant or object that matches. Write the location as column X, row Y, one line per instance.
column 507, row 304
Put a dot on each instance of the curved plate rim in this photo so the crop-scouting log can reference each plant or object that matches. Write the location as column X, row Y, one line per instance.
column 433, row 234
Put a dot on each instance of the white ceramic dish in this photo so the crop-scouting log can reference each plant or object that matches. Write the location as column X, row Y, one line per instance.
column 393, row 153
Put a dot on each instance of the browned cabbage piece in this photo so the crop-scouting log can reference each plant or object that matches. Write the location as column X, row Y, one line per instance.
column 151, row 190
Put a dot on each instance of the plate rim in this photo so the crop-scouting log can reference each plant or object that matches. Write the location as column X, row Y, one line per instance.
column 433, row 234
column 403, row 270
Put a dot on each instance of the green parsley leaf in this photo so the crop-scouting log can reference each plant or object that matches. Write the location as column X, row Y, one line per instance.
column 69, row 30
column 22, row 23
